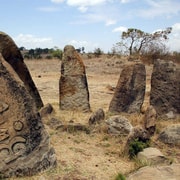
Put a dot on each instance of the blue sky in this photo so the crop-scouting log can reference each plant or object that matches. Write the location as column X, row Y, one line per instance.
column 88, row 23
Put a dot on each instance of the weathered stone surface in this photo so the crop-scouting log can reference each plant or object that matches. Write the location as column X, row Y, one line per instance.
column 171, row 135
column 165, row 87
column 97, row 117
column 73, row 86
column 24, row 143
column 150, row 120
column 119, row 125
column 170, row 172
column 12, row 55
column 130, row 90
column 151, row 156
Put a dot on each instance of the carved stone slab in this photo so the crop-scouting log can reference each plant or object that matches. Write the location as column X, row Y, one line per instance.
column 24, row 143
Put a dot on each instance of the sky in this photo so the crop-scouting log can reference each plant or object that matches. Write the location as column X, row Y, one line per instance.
column 86, row 23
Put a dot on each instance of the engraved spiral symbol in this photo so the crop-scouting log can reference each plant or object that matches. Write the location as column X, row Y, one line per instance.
column 18, row 125
column 19, row 147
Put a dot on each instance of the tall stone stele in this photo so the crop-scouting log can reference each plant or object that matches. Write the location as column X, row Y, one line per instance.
column 165, row 87
column 73, row 86
column 24, row 142
column 130, row 90
column 12, row 55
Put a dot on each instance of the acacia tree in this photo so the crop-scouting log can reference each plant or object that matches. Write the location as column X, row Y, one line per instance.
column 136, row 41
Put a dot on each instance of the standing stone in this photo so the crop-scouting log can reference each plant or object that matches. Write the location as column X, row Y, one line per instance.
column 12, row 55
column 130, row 90
column 73, row 86
column 165, row 87
column 24, row 142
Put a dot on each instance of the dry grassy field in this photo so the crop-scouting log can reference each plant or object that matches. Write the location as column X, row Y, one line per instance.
column 98, row 155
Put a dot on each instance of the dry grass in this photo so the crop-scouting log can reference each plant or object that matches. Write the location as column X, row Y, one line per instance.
column 98, row 155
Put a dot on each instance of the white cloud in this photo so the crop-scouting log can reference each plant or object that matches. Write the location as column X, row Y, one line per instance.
column 176, row 27
column 57, row 1
column 48, row 9
column 110, row 22
column 85, row 2
column 82, row 5
column 30, row 41
column 174, row 38
column 94, row 11
column 124, row 1
column 83, row 9
column 120, row 29
column 89, row 46
column 95, row 17
column 160, row 8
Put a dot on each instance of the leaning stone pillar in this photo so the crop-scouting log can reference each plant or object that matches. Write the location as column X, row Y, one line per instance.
column 12, row 55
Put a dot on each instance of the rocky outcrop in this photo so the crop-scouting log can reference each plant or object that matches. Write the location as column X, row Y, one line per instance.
column 130, row 90
column 171, row 135
column 165, row 87
column 12, row 55
column 73, row 86
column 24, row 142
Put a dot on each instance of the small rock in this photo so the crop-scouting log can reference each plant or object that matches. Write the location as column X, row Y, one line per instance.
column 97, row 116
column 119, row 125
column 169, row 172
column 170, row 115
column 47, row 109
column 151, row 156
column 171, row 135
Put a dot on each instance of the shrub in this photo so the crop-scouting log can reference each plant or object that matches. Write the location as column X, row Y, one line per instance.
column 137, row 146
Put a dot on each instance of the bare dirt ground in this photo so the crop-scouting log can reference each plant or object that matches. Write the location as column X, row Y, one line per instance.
column 81, row 156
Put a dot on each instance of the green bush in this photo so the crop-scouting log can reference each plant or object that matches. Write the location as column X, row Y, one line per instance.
column 137, row 146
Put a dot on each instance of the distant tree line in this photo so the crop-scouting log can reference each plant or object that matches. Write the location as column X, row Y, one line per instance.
column 39, row 53
column 46, row 53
